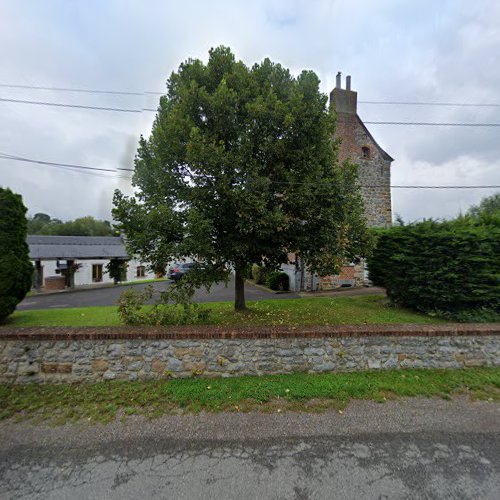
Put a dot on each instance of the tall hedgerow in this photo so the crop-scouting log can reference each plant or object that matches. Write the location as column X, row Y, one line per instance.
column 451, row 267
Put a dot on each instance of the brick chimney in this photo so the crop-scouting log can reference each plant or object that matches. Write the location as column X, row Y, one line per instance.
column 343, row 100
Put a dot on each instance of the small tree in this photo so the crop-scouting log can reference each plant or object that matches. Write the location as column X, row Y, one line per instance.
column 241, row 168
column 16, row 269
column 117, row 270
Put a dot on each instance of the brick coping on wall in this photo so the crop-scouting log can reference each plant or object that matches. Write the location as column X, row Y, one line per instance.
column 244, row 332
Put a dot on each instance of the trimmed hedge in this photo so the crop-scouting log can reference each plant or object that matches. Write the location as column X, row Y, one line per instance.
column 277, row 280
column 259, row 274
column 446, row 267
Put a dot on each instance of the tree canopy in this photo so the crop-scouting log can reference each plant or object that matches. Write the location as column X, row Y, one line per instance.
column 241, row 168
column 42, row 223
column 488, row 208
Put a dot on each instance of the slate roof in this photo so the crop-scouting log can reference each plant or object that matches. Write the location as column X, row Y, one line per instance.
column 76, row 247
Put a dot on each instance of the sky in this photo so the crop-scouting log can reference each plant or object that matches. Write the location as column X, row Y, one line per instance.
column 395, row 50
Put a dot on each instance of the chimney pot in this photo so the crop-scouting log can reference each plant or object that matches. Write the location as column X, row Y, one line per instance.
column 348, row 82
column 339, row 80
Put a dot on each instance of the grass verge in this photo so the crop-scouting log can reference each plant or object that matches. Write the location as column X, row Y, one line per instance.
column 103, row 402
column 293, row 312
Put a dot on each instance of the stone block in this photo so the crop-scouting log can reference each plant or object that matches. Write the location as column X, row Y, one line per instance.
column 158, row 366
column 100, row 365
column 182, row 352
column 174, row 365
column 109, row 375
column 51, row 368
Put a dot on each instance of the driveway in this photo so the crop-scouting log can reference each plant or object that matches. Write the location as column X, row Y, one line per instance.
column 108, row 296
column 415, row 448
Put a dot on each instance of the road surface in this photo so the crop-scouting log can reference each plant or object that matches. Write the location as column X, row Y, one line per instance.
column 416, row 448
column 108, row 296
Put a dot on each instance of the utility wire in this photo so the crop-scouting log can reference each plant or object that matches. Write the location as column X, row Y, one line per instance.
column 431, row 124
column 87, row 91
column 65, row 105
column 6, row 156
column 135, row 93
column 131, row 110
column 69, row 169
column 423, row 103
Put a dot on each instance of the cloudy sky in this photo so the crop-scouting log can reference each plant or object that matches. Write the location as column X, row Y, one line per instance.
column 395, row 50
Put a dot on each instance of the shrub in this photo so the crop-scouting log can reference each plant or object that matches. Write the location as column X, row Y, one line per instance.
column 117, row 270
column 259, row 274
column 446, row 267
column 16, row 270
column 173, row 308
column 277, row 280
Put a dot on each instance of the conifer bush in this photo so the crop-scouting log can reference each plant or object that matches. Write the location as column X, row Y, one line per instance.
column 16, row 270
column 450, row 267
column 277, row 280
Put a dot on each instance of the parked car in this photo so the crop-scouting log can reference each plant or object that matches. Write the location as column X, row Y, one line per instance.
column 178, row 270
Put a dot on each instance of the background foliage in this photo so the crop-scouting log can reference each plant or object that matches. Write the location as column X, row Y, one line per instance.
column 83, row 226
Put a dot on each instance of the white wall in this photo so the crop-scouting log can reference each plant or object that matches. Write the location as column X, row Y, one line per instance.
column 84, row 275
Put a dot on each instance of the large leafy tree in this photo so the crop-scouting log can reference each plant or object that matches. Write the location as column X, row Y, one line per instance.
column 16, row 269
column 241, row 168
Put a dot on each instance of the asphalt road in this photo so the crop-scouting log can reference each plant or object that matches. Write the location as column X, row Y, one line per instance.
column 415, row 448
column 109, row 295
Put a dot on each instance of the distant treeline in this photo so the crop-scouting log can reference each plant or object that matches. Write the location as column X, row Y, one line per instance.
column 84, row 226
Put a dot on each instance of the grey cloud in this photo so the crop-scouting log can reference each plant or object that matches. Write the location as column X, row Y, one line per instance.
column 436, row 51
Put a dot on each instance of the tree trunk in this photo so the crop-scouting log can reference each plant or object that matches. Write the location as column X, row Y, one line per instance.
column 239, row 289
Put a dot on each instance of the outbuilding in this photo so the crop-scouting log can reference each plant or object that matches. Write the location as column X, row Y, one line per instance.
column 69, row 261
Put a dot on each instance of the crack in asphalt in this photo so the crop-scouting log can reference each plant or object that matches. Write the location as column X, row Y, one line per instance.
column 421, row 463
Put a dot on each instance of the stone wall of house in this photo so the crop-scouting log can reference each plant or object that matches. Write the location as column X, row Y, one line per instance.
column 73, row 355
column 374, row 171
column 351, row 275
column 357, row 144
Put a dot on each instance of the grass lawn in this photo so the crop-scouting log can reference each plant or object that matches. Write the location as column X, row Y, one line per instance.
column 296, row 312
column 300, row 392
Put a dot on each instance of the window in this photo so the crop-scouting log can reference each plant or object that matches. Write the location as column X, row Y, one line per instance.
column 141, row 271
column 96, row 273
column 365, row 152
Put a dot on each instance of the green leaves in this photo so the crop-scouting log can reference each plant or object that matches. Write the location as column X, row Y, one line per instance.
column 16, row 269
column 241, row 168
column 449, row 266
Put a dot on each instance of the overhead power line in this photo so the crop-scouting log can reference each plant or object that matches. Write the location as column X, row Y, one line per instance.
column 86, row 91
column 434, row 124
column 7, row 156
column 66, row 105
column 140, row 110
column 81, row 169
column 423, row 103
column 149, row 92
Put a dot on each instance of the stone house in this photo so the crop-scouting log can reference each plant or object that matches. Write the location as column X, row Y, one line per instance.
column 358, row 145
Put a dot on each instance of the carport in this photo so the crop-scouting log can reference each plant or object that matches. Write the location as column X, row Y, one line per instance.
column 70, row 249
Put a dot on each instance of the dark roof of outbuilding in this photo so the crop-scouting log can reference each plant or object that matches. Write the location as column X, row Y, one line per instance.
column 76, row 247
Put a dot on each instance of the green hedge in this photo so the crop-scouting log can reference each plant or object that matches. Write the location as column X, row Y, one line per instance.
column 448, row 267
column 277, row 280
column 259, row 274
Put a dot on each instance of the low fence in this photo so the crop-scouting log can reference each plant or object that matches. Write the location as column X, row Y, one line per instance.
column 49, row 355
